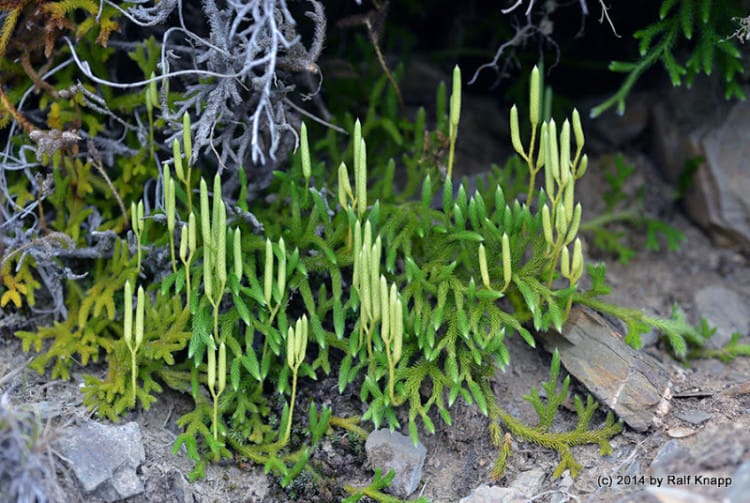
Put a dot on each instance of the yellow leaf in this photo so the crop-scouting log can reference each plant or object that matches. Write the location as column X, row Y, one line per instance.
column 53, row 119
column 29, row 283
column 83, row 312
column 11, row 295
column 104, row 300
column 107, row 27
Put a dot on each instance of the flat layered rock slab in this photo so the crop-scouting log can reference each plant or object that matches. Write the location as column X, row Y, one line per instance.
column 635, row 385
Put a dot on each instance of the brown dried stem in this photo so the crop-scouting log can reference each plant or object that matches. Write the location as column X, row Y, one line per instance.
column 373, row 21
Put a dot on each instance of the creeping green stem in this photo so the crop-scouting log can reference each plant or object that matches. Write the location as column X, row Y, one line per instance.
column 349, row 424
column 215, row 425
column 288, row 430
column 133, row 375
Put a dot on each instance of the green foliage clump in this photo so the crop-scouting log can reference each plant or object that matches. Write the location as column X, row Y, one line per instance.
column 90, row 326
column 704, row 28
column 402, row 285
column 406, row 297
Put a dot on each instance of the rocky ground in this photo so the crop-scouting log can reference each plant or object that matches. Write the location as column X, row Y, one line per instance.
column 697, row 450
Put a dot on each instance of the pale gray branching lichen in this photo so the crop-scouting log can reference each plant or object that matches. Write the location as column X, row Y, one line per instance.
column 252, row 52
column 27, row 466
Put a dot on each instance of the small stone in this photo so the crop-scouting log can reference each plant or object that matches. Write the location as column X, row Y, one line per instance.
column 494, row 494
column 183, row 493
column 125, row 481
column 740, row 487
column 710, row 366
column 719, row 446
column 674, row 495
column 618, row 129
column 680, row 432
column 650, row 338
column 563, row 493
column 670, row 452
column 725, row 310
column 529, row 482
column 104, row 458
column 389, row 450
column 48, row 410
column 633, row 468
column 694, row 416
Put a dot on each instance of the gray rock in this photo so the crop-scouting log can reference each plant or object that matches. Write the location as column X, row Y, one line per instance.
column 718, row 446
column 48, row 409
column 494, row 494
column 633, row 468
column 183, row 493
column 710, row 366
column 740, row 488
column 674, row 495
column 726, row 150
column 650, row 338
column 389, row 450
column 632, row 383
column 617, row 130
column 699, row 124
column 670, row 453
column 562, row 494
column 529, row 482
column 694, row 416
column 104, row 458
column 725, row 310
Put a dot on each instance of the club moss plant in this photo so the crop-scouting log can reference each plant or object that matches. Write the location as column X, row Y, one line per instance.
column 405, row 300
